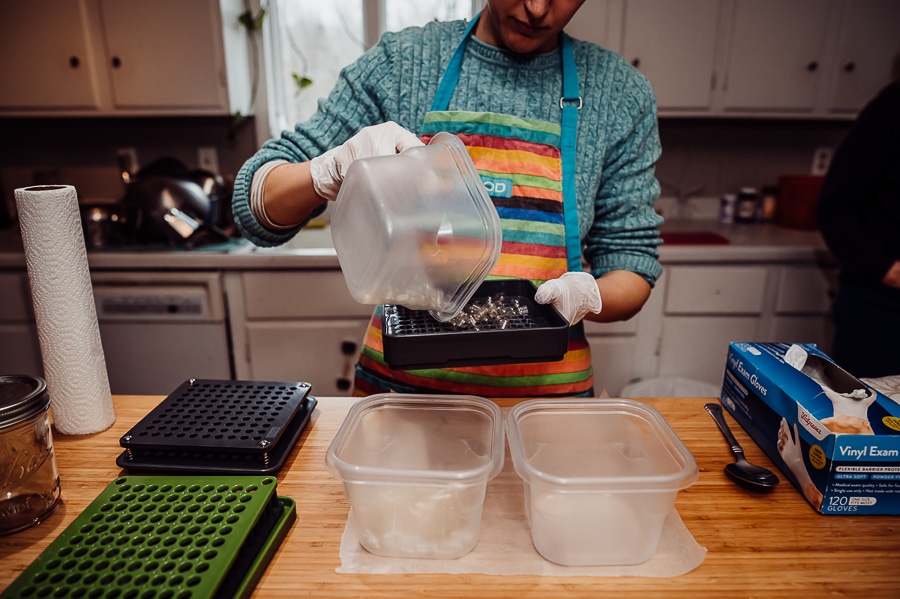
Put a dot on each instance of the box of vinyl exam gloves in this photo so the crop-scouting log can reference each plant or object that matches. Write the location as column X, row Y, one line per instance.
column 836, row 439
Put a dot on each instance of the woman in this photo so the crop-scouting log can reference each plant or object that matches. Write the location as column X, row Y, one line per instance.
column 572, row 126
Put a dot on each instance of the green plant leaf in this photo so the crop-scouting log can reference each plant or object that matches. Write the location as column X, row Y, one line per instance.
column 300, row 81
column 250, row 22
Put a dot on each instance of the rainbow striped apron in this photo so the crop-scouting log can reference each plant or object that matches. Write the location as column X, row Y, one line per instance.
column 528, row 168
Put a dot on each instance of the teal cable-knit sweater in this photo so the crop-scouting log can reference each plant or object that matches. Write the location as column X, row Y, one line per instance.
column 618, row 141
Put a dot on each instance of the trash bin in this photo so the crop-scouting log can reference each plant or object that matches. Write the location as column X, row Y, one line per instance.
column 670, row 387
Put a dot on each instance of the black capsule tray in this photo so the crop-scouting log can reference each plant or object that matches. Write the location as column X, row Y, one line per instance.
column 219, row 426
column 165, row 536
column 413, row 339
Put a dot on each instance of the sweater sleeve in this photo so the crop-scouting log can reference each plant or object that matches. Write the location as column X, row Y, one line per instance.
column 353, row 103
column 624, row 234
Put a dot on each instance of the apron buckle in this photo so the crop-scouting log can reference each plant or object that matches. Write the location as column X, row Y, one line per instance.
column 578, row 99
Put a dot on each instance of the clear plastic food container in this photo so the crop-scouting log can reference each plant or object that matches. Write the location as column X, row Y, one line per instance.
column 600, row 477
column 416, row 229
column 415, row 470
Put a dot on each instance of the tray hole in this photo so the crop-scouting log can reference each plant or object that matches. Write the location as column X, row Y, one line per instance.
column 193, row 554
column 68, row 565
column 193, row 581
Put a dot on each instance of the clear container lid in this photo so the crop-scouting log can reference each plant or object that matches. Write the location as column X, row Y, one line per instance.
column 597, row 444
column 417, row 439
column 416, row 229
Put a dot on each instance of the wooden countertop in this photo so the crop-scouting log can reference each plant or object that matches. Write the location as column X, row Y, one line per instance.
column 772, row 545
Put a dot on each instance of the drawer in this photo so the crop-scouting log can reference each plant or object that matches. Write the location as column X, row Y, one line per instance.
column 299, row 294
column 715, row 290
column 805, row 290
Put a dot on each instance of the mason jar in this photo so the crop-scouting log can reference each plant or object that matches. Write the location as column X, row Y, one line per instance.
column 29, row 480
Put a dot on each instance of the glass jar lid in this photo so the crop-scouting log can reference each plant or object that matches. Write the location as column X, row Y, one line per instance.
column 21, row 397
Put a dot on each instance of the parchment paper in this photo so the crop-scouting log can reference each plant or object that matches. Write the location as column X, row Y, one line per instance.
column 505, row 547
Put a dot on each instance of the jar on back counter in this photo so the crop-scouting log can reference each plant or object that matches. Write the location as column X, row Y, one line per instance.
column 767, row 206
column 747, row 200
column 29, row 480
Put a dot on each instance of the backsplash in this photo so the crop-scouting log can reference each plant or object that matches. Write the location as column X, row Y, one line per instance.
column 701, row 159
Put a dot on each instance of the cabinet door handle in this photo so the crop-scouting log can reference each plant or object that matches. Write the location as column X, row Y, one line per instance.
column 116, row 62
column 74, row 62
column 636, row 62
column 811, row 67
column 342, row 384
column 850, row 67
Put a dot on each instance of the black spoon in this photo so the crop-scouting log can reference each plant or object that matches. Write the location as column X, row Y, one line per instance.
column 741, row 471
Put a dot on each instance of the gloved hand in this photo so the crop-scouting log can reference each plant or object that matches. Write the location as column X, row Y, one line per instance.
column 385, row 139
column 792, row 454
column 574, row 294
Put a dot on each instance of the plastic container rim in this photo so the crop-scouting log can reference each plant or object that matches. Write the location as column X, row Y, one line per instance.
column 352, row 473
column 684, row 478
column 486, row 210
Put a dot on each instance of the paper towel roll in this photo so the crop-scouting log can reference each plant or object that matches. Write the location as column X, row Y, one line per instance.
column 64, row 310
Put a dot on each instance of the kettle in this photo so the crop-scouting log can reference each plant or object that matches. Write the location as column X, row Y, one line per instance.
column 164, row 205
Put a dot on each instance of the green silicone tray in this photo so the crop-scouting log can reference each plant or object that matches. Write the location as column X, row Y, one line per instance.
column 164, row 537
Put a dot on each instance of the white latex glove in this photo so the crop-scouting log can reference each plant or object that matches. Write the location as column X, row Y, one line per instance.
column 574, row 294
column 385, row 139
column 792, row 454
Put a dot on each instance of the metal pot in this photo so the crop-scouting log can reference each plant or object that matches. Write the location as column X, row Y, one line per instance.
column 104, row 225
column 164, row 205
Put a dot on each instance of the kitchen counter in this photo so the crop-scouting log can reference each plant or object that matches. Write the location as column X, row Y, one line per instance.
column 771, row 545
column 312, row 248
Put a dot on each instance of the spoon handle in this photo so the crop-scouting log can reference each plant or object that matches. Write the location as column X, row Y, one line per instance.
column 715, row 410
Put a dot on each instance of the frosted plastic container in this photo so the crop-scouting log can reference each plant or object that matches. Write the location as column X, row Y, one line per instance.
column 415, row 470
column 416, row 229
column 600, row 477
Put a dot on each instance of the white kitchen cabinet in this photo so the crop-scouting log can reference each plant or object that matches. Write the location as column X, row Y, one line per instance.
column 751, row 58
column 776, row 55
column 47, row 57
column 20, row 351
column 598, row 21
column 296, row 326
column 613, row 353
column 868, row 43
column 802, row 305
column 708, row 306
column 695, row 347
column 108, row 57
column 674, row 45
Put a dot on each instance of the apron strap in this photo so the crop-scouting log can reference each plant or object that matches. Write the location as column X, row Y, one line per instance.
column 570, row 103
column 451, row 74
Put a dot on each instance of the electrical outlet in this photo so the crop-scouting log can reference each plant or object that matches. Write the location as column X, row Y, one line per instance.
column 821, row 161
column 208, row 159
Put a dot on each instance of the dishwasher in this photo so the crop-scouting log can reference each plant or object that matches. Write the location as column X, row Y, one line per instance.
column 160, row 329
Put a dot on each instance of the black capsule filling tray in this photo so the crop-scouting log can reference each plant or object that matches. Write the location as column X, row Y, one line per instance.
column 220, row 426
column 414, row 339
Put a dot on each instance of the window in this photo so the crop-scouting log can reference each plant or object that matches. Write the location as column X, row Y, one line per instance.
column 310, row 41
